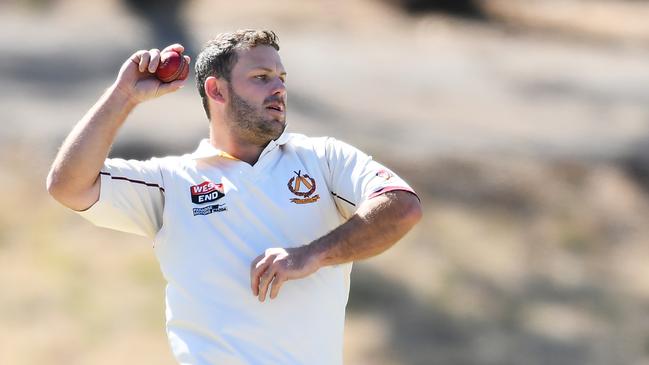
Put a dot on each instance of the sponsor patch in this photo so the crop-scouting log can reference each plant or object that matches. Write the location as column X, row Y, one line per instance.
column 210, row 209
column 206, row 192
column 303, row 186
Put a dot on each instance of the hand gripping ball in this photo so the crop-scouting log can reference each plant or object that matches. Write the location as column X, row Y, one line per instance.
column 173, row 66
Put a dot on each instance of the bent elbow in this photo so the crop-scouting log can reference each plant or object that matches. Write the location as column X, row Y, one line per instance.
column 412, row 213
column 52, row 185
column 66, row 195
column 56, row 189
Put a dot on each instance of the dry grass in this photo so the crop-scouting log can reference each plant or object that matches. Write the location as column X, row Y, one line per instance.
column 517, row 261
column 72, row 294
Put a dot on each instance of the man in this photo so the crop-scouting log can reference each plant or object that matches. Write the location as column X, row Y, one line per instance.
column 255, row 210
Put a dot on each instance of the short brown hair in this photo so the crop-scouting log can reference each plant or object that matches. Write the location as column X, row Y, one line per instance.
column 218, row 56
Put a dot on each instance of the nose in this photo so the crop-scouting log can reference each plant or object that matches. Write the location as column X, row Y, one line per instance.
column 279, row 87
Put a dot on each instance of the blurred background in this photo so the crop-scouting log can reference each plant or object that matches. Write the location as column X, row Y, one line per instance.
column 523, row 125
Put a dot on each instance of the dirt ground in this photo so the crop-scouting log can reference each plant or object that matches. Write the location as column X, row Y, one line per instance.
column 525, row 133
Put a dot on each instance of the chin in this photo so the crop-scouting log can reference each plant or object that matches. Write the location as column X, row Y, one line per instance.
column 280, row 129
column 272, row 129
column 275, row 124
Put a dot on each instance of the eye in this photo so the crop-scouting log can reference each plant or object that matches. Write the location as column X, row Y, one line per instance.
column 261, row 77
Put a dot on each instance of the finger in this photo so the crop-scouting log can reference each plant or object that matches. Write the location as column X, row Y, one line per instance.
column 135, row 57
column 155, row 60
column 265, row 283
column 174, row 47
column 277, row 284
column 257, row 272
column 186, row 68
column 254, row 262
column 253, row 266
column 144, row 61
column 169, row 87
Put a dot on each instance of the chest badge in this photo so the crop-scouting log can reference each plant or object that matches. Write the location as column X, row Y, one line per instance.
column 303, row 186
column 206, row 192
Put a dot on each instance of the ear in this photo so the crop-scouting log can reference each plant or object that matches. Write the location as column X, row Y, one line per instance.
column 215, row 88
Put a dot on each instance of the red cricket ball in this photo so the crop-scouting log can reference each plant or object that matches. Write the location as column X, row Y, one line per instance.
column 173, row 66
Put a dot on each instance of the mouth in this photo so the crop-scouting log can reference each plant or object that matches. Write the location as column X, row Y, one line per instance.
column 276, row 106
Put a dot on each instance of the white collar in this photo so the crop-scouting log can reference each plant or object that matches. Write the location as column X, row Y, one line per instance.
column 206, row 150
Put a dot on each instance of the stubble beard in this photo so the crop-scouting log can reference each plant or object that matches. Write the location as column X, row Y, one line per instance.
column 248, row 124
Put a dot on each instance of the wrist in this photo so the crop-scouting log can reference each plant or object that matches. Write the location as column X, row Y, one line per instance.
column 315, row 255
column 121, row 96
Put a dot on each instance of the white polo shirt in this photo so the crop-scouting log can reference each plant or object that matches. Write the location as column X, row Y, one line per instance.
column 210, row 215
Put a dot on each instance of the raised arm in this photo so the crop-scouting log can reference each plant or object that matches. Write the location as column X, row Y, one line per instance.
column 377, row 224
column 73, row 179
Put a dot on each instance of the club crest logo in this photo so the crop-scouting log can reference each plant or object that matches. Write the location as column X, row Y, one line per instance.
column 303, row 186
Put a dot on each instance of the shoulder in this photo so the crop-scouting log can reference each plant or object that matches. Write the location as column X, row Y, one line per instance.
column 172, row 160
column 170, row 163
column 300, row 143
column 318, row 144
column 299, row 140
column 324, row 147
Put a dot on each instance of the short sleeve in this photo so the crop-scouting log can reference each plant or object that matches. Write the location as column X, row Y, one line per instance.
column 355, row 177
column 131, row 197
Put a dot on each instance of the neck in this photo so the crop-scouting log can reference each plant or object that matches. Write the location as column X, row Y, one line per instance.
column 235, row 146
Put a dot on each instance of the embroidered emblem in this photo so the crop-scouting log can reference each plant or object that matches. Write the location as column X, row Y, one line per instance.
column 303, row 186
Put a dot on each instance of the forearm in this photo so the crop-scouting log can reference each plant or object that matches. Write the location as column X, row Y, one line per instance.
column 376, row 226
column 78, row 162
column 73, row 179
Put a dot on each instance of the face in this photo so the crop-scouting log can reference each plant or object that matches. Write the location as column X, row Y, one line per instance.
column 256, row 110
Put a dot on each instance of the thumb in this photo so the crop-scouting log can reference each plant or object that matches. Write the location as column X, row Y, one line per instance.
column 169, row 87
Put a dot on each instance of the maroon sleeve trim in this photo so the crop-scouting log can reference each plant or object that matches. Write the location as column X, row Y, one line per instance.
column 132, row 180
column 392, row 188
column 343, row 199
